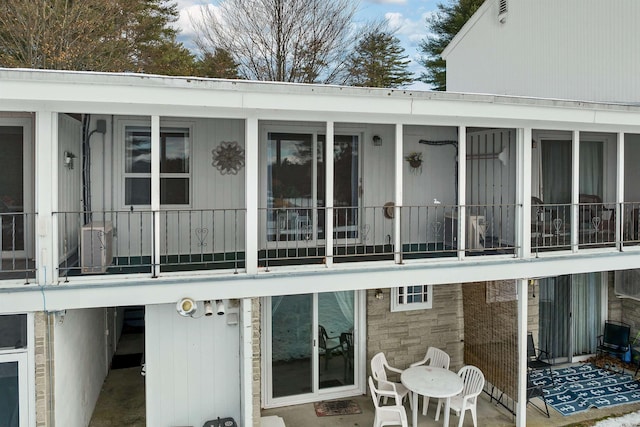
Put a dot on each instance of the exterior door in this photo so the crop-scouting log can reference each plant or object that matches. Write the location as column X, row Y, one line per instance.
column 13, row 392
column 311, row 347
column 15, row 181
column 570, row 315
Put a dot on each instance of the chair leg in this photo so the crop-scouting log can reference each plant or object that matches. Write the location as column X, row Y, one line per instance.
column 461, row 417
column 474, row 416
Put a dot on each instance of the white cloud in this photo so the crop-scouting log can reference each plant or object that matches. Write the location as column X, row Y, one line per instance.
column 410, row 31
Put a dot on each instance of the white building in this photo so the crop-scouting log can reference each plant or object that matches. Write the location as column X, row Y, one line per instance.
column 129, row 190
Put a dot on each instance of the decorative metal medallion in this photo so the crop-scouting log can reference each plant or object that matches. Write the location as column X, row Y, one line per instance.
column 228, row 157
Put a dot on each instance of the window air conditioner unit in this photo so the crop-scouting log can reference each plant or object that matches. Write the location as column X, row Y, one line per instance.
column 476, row 228
column 96, row 247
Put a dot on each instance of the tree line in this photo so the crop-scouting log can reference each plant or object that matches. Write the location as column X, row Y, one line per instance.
column 303, row 41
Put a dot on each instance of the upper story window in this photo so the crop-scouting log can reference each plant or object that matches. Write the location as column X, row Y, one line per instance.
column 13, row 331
column 175, row 149
column 411, row 297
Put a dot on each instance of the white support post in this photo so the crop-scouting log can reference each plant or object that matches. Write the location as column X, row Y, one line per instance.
column 397, row 238
column 155, row 193
column 329, row 166
column 523, row 228
column 246, row 363
column 521, row 408
column 575, row 190
column 619, row 209
column 47, row 163
column 462, row 186
column 251, row 194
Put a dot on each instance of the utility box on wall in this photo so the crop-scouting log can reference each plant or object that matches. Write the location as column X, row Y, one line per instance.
column 96, row 246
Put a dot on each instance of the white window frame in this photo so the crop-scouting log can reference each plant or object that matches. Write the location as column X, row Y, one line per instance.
column 122, row 126
column 396, row 305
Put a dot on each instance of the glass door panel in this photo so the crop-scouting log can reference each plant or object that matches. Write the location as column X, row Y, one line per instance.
column 291, row 345
column 290, row 199
column 12, row 188
column 335, row 339
column 9, row 395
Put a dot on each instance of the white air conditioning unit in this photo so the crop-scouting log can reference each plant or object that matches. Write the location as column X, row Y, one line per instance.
column 96, row 247
column 476, row 228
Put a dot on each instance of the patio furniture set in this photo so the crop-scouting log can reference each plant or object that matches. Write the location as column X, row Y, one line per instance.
column 430, row 378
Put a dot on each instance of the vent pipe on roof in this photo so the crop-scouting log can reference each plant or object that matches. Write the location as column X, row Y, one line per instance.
column 502, row 11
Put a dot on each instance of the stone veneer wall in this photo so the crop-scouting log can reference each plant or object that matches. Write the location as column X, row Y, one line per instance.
column 405, row 336
column 44, row 370
column 256, row 365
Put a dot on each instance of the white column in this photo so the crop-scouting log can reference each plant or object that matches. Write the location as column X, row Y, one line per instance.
column 521, row 408
column 155, row 193
column 462, row 186
column 328, row 197
column 619, row 210
column 397, row 238
column 523, row 227
column 575, row 190
column 47, row 162
column 251, row 194
column 246, row 363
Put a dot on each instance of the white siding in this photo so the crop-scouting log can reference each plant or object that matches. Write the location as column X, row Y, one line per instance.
column 69, row 183
column 193, row 367
column 80, row 366
column 573, row 49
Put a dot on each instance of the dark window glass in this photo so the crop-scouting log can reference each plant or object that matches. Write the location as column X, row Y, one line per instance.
column 174, row 191
column 137, row 191
column 13, row 331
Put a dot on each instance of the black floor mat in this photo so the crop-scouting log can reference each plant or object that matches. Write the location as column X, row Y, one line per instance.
column 121, row 361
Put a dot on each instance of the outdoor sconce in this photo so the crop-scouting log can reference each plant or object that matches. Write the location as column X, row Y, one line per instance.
column 68, row 159
column 379, row 294
column 186, row 307
column 208, row 308
column 377, row 141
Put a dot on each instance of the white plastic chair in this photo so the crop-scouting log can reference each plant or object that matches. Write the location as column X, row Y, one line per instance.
column 438, row 359
column 468, row 398
column 394, row 415
column 379, row 368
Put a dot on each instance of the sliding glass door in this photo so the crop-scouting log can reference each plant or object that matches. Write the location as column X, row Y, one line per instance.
column 570, row 315
column 311, row 347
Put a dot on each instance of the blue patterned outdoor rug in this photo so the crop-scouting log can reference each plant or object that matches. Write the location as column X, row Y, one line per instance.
column 586, row 386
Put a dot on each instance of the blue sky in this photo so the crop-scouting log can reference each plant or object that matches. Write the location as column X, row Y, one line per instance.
column 406, row 17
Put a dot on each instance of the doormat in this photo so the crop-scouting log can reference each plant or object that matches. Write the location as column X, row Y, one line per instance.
column 337, row 407
column 586, row 386
column 122, row 361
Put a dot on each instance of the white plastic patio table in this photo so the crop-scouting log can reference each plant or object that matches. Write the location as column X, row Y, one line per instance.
column 433, row 382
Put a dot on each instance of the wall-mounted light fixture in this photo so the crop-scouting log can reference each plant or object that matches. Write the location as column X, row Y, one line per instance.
column 379, row 294
column 219, row 307
column 377, row 141
column 186, row 307
column 208, row 308
column 68, row 159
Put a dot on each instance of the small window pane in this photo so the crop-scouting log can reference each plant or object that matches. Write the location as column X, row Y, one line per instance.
column 137, row 191
column 137, row 150
column 13, row 331
column 175, row 151
column 174, row 191
column 9, row 395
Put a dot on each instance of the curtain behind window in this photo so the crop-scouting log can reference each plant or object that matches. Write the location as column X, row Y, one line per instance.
column 556, row 171
column 591, row 167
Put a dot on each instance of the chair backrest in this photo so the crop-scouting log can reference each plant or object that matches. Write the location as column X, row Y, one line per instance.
column 378, row 362
column 437, row 358
column 616, row 334
column 322, row 337
column 346, row 342
column 531, row 348
column 473, row 380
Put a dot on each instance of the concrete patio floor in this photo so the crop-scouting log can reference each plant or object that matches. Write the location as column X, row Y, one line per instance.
column 489, row 414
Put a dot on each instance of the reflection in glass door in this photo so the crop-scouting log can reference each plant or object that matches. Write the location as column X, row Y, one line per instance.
column 12, row 189
column 311, row 347
column 12, row 394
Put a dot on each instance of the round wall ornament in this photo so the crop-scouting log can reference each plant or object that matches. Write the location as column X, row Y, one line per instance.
column 228, row 157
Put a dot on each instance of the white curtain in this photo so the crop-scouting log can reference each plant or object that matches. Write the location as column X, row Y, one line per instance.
column 585, row 308
column 346, row 303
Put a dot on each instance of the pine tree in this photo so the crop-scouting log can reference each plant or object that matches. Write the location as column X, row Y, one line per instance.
column 442, row 27
column 378, row 61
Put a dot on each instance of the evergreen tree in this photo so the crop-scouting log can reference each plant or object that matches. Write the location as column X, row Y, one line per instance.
column 442, row 27
column 218, row 64
column 378, row 61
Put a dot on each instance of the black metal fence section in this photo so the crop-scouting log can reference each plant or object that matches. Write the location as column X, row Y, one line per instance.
column 490, row 229
column 202, row 239
column 363, row 233
column 18, row 246
column 105, row 242
column 630, row 226
column 596, row 225
column 550, row 227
